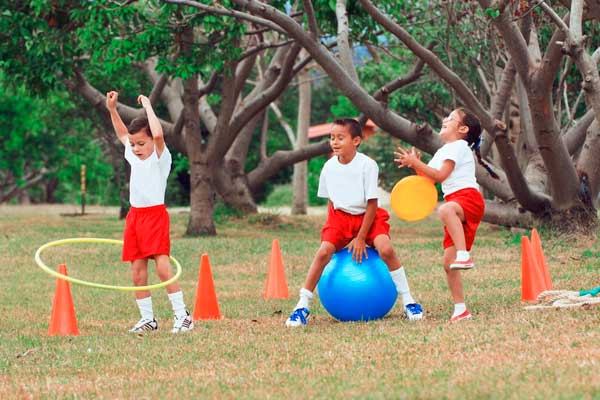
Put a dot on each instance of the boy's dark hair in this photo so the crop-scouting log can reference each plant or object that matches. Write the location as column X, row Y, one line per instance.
column 473, row 138
column 353, row 126
column 139, row 124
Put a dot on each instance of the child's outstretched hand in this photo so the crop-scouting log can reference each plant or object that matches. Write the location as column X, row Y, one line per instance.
column 143, row 100
column 405, row 157
column 112, row 98
column 358, row 247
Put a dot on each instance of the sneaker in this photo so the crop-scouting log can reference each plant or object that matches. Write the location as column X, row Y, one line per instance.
column 298, row 318
column 144, row 325
column 463, row 316
column 182, row 324
column 462, row 264
column 413, row 311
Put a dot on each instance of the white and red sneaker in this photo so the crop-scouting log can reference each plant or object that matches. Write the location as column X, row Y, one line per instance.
column 465, row 315
column 468, row 264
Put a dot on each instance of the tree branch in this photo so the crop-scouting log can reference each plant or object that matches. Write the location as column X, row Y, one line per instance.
column 344, row 48
column 575, row 136
column 267, row 95
column 310, row 17
column 286, row 127
column 514, row 40
column 209, row 86
column 283, row 158
column 229, row 13
column 383, row 93
column 455, row 82
column 499, row 102
column 158, row 88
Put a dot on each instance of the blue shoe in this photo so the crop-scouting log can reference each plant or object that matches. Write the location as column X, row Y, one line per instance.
column 298, row 318
column 413, row 311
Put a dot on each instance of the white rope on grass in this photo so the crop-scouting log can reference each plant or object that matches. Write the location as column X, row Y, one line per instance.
column 558, row 299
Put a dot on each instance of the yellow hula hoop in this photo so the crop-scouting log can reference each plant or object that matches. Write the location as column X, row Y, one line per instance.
column 44, row 267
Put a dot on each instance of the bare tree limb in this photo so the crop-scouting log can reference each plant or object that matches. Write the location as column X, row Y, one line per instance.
column 513, row 36
column 507, row 215
column 310, row 17
column 267, row 94
column 575, row 136
column 284, row 124
column 158, row 88
column 283, row 158
column 31, row 179
column 499, row 102
column 383, row 93
column 209, row 86
column 455, row 82
column 229, row 13
column 344, row 47
column 261, row 47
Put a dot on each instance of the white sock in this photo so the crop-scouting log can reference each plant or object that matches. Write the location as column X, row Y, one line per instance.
column 462, row 255
column 459, row 308
column 305, row 298
column 399, row 278
column 145, row 306
column 178, row 304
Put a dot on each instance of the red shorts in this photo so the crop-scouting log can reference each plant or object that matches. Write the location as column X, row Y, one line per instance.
column 342, row 227
column 146, row 233
column 473, row 207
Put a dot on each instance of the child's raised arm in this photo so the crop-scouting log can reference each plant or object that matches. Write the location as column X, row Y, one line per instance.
column 112, row 98
column 412, row 159
column 155, row 127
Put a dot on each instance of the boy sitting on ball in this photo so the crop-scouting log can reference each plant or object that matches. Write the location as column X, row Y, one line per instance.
column 349, row 181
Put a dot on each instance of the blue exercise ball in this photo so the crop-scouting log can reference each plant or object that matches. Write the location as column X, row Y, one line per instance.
column 350, row 291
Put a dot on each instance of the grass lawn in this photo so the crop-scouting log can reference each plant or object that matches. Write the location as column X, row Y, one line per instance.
column 504, row 352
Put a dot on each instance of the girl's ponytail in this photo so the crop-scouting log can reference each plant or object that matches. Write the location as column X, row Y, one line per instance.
column 474, row 138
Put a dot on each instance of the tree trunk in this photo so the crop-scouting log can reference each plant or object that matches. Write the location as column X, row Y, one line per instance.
column 232, row 185
column 23, row 197
column 202, row 189
column 51, row 186
column 299, row 180
column 231, row 180
column 202, row 198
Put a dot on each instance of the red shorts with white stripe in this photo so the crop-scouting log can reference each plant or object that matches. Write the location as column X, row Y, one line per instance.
column 342, row 227
column 473, row 207
column 146, row 233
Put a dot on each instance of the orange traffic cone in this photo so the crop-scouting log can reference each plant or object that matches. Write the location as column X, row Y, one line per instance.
column 532, row 279
column 63, row 320
column 206, row 306
column 538, row 253
column 276, row 286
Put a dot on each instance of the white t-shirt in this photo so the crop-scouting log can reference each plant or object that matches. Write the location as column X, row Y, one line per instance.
column 463, row 175
column 148, row 180
column 349, row 186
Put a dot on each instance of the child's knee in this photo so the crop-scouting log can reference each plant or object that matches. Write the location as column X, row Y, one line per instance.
column 387, row 252
column 445, row 211
column 324, row 254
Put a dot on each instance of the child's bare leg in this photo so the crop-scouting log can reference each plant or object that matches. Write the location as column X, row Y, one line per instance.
column 453, row 276
column 386, row 251
column 301, row 311
column 456, row 287
column 315, row 271
column 452, row 215
column 139, row 272
column 165, row 272
column 383, row 245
